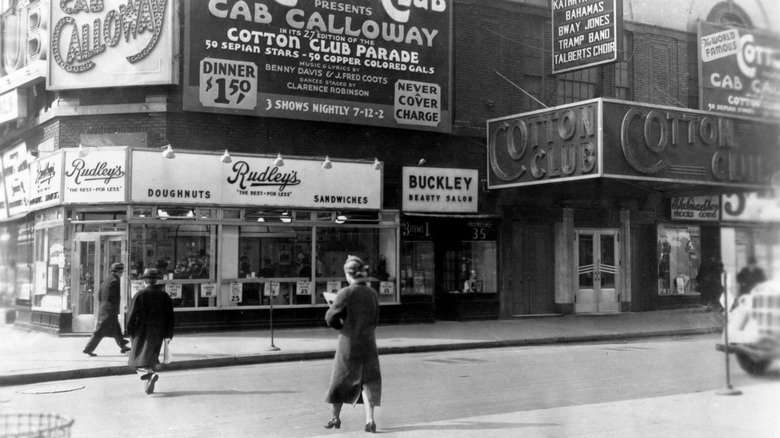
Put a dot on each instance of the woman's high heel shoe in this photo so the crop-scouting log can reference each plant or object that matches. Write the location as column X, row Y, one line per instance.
column 334, row 422
column 371, row 427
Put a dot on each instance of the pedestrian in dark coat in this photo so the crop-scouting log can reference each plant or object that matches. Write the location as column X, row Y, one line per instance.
column 750, row 276
column 355, row 313
column 710, row 282
column 110, row 297
column 149, row 324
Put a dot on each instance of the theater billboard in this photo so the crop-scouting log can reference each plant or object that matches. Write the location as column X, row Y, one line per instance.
column 739, row 71
column 367, row 62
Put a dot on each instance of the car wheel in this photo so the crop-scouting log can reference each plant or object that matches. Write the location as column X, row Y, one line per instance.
column 752, row 366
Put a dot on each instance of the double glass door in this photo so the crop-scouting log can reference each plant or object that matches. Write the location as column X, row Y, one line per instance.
column 92, row 258
column 598, row 266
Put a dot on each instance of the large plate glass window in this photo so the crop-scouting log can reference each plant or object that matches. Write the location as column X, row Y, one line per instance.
column 184, row 254
column 679, row 250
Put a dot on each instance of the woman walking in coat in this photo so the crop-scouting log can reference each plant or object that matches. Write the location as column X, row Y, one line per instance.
column 355, row 313
column 149, row 323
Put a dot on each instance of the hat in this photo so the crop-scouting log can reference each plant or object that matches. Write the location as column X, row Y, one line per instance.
column 151, row 273
column 117, row 267
column 355, row 267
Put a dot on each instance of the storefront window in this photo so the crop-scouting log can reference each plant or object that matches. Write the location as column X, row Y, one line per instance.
column 279, row 262
column 16, row 255
column 376, row 247
column 183, row 253
column 281, row 257
column 52, row 269
column 15, row 264
column 470, row 267
column 679, row 249
column 417, row 268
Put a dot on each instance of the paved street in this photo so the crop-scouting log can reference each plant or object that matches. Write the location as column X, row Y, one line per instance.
column 654, row 387
column 33, row 357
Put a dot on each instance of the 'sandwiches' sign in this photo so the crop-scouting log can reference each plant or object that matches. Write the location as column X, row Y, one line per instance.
column 254, row 180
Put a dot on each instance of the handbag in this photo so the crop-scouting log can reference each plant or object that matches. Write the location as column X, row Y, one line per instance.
column 166, row 351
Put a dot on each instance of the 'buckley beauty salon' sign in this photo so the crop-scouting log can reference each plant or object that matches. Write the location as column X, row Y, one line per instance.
column 428, row 189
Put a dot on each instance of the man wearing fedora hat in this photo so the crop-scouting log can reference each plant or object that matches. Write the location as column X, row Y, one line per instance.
column 149, row 324
column 108, row 314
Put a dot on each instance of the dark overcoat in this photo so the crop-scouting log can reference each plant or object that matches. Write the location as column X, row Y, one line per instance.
column 110, row 298
column 149, row 322
column 355, row 313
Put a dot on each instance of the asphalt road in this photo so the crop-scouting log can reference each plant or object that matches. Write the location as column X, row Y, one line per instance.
column 431, row 394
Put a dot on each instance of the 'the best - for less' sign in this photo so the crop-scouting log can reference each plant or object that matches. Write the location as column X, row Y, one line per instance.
column 440, row 190
column 100, row 176
column 252, row 180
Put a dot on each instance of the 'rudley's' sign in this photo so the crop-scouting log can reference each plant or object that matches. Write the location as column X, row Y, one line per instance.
column 254, row 180
column 427, row 189
column 650, row 143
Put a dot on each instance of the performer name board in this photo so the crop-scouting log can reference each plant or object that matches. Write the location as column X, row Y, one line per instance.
column 585, row 33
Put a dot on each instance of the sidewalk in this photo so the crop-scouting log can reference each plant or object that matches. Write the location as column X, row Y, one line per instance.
column 33, row 357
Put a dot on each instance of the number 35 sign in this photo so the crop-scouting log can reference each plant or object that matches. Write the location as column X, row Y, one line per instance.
column 228, row 84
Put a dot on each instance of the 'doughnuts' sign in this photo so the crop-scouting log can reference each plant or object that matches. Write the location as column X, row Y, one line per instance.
column 254, row 180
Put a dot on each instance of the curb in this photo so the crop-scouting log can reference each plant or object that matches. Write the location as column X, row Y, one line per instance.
column 255, row 359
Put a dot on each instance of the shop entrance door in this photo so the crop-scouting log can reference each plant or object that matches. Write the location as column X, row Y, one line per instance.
column 93, row 254
column 531, row 275
column 598, row 267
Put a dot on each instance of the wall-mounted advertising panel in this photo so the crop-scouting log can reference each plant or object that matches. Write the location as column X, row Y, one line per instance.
column 367, row 62
column 427, row 189
column 23, row 33
column 16, row 177
column 3, row 203
column 99, row 177
column 759, row 207
column 13, row 105
column 112, row 43
column 655, row 143
column 649, row 143
column 254, row 181
column 585, row 33
column 696, row 208
column 546, row 146
column 738, row 71
column 46, row 181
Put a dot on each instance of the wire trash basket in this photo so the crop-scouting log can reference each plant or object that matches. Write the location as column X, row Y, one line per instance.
column 35, row 426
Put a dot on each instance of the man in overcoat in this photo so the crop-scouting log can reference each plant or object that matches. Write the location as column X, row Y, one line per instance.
column 108, row 315
column 355, row 313
column 149, row 324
